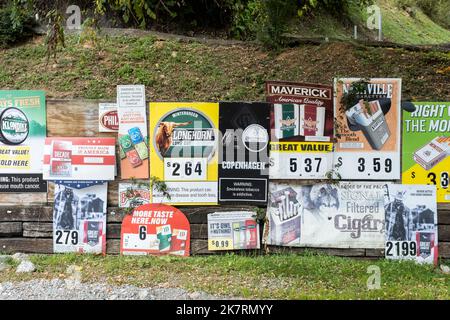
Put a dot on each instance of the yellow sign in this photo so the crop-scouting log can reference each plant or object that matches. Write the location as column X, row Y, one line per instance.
column 184, row 152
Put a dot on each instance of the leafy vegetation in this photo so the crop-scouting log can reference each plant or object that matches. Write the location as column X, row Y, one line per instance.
column 16, row 21
column 281, row 276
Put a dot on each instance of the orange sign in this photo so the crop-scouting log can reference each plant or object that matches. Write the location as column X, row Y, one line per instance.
column 155, row 229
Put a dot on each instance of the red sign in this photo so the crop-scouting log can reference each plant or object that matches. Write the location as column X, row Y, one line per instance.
column 155, row 229
column 79, row 158
column 110, row 120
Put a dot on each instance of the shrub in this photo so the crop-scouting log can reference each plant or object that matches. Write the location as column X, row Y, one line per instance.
column 16, row 21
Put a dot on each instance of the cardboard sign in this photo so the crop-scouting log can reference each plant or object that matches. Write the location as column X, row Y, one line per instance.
column 108, row 118
column 368, row 130
column 133, row 136
column 184, row 151
column 426, row 147
column 234, row 230
column 244, row 160
column 155, row 229
column 411, row 223
column 79, row 158
column 302, row 128
column 22, row 134
column 79, row 216
column 345, row 215
column 133, row 195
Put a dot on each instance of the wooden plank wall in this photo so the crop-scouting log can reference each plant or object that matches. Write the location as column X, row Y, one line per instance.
column 26, row 219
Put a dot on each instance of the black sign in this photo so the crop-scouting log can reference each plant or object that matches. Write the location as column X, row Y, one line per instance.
column 22, row 183
column 244, row 159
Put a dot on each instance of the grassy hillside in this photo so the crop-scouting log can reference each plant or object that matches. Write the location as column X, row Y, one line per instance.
column 173, row 70
column 408, row 25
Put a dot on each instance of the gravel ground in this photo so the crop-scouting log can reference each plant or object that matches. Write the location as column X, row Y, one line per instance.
column 58, row 289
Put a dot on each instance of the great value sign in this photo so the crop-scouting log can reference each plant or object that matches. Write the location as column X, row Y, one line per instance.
column 344, row 215
column 155, row 229
column 79, row 158
column 426, row 147
column 22, row 134
column 302, row 128
column 367, row 129
column 184, row 151
column 244, row 159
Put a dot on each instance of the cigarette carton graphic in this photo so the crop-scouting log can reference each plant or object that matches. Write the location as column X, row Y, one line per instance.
column 433, row 152
column 299, row 120
column 285, row 220
column 369, row 118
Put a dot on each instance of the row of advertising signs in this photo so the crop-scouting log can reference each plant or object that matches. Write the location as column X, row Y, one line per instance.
column 210, row 153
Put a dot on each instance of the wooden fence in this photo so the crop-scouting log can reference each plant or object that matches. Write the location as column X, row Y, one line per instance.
column 26, row 219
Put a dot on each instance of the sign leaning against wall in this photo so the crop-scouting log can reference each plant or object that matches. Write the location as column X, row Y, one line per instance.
column 426, row 147
column 184, row 151
column 367, row 128
column 244, row 159
column 301, row 130
column 344, row 215
column 22, row 135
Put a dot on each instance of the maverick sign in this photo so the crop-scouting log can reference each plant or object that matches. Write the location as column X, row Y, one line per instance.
column 244, row 161
column 302, row 128
column 183, row 151
column 22, row 135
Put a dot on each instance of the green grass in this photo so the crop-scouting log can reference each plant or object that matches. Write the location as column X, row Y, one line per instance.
column 179, row 71
column 397, row 26
column 284, row 276
column 400, row 27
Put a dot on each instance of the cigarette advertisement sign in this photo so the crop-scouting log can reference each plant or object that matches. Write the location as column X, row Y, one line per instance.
column 426, row 147
column 184, row 151
column 244, row 159
column 132, row 195
column 79, row 217
column 79, row 158
column 302, row 128
column 156, row 229
column 22, row 134
column 108, row 118
column 133, row 136
column 411, row 223
column 345, row 215
column 367, row 125
column 234, row 230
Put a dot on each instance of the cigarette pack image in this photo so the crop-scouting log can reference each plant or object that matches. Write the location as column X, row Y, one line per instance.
column 286, row 120
column 433, row 152
column 370, row 119
column 312, row 120
column 285, row 217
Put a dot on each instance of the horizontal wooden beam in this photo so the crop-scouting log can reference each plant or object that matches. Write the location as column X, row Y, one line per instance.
column 10, row 229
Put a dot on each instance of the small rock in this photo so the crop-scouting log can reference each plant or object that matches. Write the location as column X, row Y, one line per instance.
column 19, row 257
column 3, row 266
column 195, row 295
column 25, row 266
column 445, row 269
